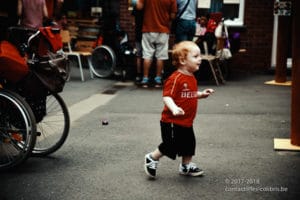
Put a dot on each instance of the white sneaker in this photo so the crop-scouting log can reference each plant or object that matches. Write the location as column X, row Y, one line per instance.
column 150, row 166
column 190, row 169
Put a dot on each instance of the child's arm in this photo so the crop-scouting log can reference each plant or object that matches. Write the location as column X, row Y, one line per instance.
column 169, row 102
column 205, row 93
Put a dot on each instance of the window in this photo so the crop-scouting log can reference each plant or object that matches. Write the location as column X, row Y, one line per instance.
column 233, row 10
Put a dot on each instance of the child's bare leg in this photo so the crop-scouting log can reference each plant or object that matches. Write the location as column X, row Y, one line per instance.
column 186, row 159
column 156, row 154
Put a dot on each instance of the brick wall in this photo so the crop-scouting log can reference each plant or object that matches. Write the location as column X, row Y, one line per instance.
column 256, row 36
column 127, row 20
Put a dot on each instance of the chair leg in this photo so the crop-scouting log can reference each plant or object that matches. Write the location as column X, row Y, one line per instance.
column 213, row 71
column 219, row 72
column 90, row 66
column 80, row 68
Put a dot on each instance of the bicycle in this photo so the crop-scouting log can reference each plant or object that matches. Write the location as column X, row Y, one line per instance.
column 44, row 112
column 17, row 129
column 53, row 130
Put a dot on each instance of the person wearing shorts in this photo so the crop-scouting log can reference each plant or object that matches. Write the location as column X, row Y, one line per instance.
column 180, row 97
column 138, row 25
column 155, row 39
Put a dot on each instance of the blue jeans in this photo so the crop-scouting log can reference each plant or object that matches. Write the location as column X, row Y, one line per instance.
column 185, row 30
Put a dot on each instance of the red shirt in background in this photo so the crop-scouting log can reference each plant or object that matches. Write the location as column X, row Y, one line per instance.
column 50, row 7
column 157, row 15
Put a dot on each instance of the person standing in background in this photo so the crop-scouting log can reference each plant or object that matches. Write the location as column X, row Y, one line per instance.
column 216, row 6
column 155, row 38
column 138, row 25
column 50, row 7
column 57, row 17
column 32, row 13
column 54, row 8
column 186, row 26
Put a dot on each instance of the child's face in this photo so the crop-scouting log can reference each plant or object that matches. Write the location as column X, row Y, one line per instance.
column 193, row 59
column 203, row 21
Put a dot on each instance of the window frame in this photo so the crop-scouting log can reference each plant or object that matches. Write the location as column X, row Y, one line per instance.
column 237, row 22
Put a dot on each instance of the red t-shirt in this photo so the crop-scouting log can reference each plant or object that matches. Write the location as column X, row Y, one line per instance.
column 183, row 90
column 157, row 15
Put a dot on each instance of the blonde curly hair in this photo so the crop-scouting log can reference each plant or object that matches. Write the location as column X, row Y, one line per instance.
column 180, row 51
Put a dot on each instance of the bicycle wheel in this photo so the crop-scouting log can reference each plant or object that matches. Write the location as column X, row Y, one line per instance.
column 17, row 130
column 53, row 130
column 103, row 61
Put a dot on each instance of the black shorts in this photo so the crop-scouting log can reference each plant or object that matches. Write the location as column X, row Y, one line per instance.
column 177, row 140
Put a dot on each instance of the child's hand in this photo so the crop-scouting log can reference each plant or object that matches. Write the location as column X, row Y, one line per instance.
column 205, row 93
column 172, row 106
column 177, row 111
column 209, row 91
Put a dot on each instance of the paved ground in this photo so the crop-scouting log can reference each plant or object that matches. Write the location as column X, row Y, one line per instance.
column 235, row 130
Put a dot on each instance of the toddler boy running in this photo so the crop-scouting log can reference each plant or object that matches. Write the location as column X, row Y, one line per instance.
column 180, row 96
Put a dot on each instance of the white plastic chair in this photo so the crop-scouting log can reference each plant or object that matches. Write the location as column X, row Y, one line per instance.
column 66, row 39
column 213, row 62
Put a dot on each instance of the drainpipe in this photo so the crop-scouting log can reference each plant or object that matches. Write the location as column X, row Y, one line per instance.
column 284, row 29
column 295, row 118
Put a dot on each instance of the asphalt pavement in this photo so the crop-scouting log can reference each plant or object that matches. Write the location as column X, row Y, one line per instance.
column 235, row 129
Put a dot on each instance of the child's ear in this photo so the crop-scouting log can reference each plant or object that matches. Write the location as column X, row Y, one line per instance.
column 182, row 60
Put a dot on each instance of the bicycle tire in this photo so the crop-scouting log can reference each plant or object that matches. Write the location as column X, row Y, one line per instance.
column 17, row 129
column 53, row 130
column 103, row 61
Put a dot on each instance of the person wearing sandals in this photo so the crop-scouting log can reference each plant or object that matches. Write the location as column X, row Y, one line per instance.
column 155, row 39
column 180, row 96
column 138, row 25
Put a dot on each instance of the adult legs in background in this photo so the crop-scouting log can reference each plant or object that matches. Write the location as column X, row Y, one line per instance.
column 154, row 44
column 185, row 30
